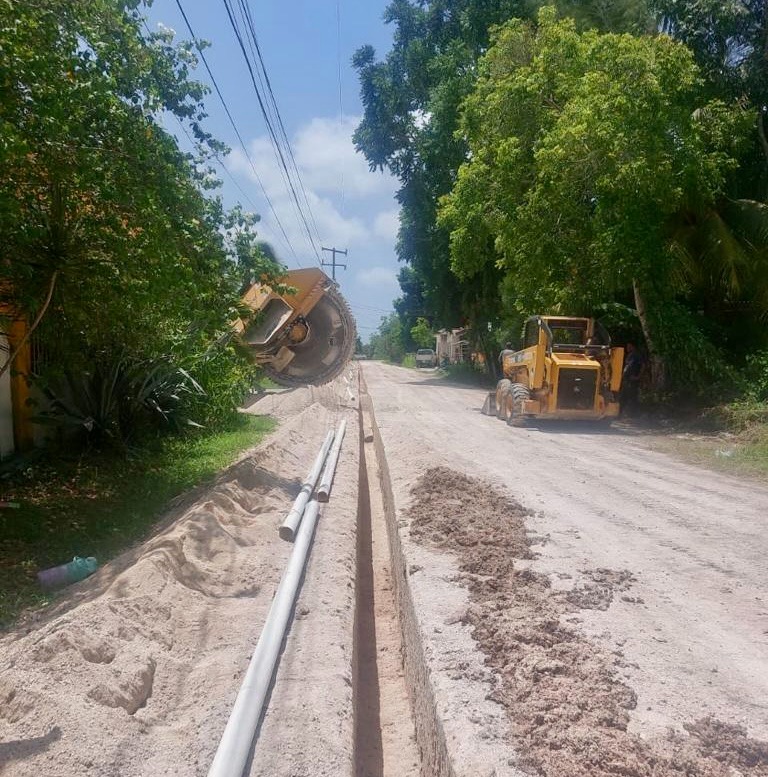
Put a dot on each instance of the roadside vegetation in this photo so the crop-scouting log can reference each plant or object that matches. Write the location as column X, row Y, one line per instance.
column 590, row 159
column 126, row 271
column 96, row 503
column 117, row 252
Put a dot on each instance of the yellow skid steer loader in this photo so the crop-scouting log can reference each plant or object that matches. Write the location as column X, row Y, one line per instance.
column 567, row 369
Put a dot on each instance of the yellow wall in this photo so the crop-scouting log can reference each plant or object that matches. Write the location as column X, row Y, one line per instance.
column 6, row 408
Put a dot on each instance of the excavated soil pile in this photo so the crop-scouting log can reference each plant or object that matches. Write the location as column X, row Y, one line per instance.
column 568, row 710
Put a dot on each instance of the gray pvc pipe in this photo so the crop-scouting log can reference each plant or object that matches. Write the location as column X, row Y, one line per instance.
column 324, row 489
column 292, row 520
column 236, row 741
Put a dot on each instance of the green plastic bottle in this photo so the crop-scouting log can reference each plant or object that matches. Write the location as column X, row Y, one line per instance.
column 79, row 568
column 66, row 574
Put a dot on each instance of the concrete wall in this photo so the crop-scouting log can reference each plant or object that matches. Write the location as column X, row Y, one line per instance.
column 6, row 412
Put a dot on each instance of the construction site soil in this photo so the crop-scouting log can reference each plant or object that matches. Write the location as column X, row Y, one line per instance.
column 135, row 670
column 568, row 709
column 480, row 601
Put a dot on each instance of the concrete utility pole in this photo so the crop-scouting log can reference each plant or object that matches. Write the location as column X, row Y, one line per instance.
column 333, row 264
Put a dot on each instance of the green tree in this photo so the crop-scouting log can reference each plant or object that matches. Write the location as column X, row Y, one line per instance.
column 387, row 342
column 111, row 240
column 411, row 102
column 584, row 148
column 422, row 334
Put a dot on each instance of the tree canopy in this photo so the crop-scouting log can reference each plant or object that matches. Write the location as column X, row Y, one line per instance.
column 105, row 220
column 580, row 157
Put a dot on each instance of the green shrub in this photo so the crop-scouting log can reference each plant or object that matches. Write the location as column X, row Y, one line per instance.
column 117, row 399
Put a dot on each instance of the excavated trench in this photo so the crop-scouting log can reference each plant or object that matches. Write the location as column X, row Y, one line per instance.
column 396, row 730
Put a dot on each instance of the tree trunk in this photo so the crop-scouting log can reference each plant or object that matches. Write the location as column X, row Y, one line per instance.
column 658, row 367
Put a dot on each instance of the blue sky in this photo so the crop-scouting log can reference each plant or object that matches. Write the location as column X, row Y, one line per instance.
column 352, row 207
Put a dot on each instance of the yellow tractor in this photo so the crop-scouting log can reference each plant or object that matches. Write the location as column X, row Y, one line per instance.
column 567, row 369
column 301, row 338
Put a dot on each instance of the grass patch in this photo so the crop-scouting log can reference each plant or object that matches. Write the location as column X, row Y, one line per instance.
column 98, row 504
column 738, row 443
column 409, row 360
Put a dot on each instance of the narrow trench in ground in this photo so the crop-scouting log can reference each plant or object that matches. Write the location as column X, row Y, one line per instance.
column 385, row 740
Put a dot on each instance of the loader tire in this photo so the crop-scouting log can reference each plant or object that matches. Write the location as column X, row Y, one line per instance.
column 502, row 389
column 518, row 393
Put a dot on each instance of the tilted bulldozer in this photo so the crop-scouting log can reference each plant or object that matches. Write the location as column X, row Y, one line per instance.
column 567, row 369
column 301, row 338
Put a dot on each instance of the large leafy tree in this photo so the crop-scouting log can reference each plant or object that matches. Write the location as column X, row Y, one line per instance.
column 584, row 147
column 411, row 100
column 722, row 246
column 96, row 201
column 111, row 239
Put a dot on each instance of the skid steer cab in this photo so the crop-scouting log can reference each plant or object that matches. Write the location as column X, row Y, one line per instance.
column 567, row 369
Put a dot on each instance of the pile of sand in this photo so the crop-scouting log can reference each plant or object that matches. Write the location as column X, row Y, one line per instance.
column 135, row 670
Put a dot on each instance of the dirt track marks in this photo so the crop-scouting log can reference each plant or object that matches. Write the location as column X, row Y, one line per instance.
column 569, row 711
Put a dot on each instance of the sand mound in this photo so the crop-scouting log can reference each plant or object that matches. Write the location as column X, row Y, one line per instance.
column 134, row 670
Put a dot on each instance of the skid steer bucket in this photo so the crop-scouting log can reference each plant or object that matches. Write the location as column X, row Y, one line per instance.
column 489, row 406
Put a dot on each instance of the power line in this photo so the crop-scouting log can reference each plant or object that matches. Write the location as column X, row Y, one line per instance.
column 245, row 10
column 237, row 133
column 234, row 181
column 271, row 130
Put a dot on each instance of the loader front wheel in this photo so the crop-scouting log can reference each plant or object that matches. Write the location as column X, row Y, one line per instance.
column 518, row 394
column 502, row 390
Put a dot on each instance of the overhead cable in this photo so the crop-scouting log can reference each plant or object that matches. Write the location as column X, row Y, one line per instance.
column 237, row 134
column 277, row 146
column 341, row 102
column 251, row 28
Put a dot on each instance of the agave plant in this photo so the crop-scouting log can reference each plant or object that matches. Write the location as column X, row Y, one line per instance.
column 119, row 397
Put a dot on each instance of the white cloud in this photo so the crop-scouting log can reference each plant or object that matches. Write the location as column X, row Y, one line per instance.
column 364, row 220
column 378, row 276
column 321, row 151
column 328, row 160
column 386, row 224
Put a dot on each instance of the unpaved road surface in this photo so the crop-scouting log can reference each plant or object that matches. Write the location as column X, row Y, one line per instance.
column 481, row 601
column 625, row 628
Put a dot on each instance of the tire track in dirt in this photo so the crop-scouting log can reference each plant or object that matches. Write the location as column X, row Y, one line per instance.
column 693, row 627
column 568, row 709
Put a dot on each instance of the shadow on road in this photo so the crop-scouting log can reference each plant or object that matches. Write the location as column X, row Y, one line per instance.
column 252, row 399
column 447, row 382
column 624, row 428
column 19, row 749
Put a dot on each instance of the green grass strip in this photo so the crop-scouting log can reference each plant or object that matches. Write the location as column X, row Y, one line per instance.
column 98, row 504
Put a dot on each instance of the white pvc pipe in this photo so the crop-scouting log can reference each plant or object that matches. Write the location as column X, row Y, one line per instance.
column 236, row 741
column 324, row 489
column 292, row 520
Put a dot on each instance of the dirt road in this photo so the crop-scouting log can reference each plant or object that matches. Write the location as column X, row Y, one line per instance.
column 481, row 601
column 660, row 566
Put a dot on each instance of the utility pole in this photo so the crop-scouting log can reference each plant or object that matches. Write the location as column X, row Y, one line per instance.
column 333, row 264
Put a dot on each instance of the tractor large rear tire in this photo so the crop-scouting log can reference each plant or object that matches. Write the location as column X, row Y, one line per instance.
column 328, row 347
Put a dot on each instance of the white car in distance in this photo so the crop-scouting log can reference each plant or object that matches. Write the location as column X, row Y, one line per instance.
column 425, row 357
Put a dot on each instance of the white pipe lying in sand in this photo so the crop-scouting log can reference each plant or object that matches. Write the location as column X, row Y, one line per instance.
column 292, row 520
column 235, row 745
column 324, row 489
